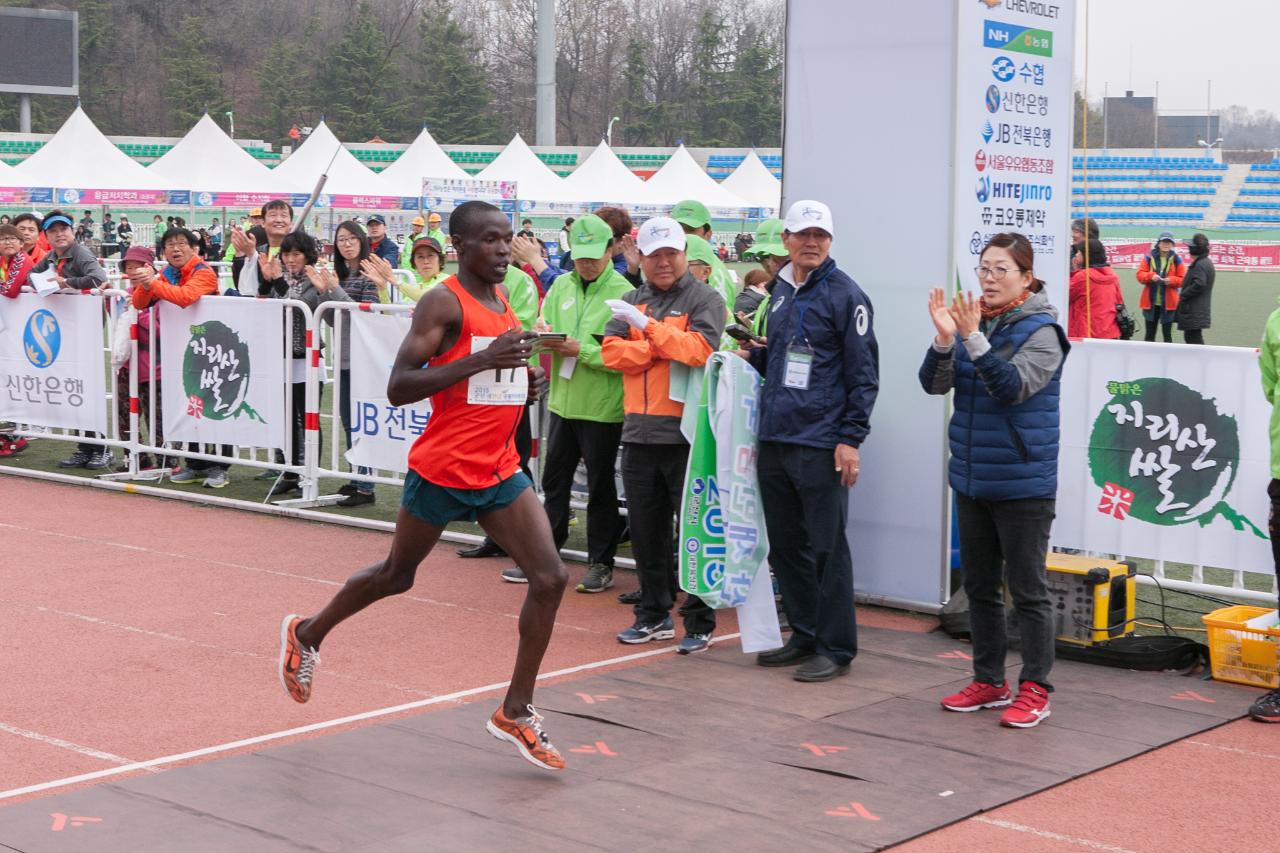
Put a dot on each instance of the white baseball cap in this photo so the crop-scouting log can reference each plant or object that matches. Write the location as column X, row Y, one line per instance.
column 661, row 232
column 808, row 213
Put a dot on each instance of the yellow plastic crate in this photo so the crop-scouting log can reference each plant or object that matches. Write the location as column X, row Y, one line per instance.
column 1241, row 654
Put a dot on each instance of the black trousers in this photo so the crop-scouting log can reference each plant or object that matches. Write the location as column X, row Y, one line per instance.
column 1193, row 336
column 1005, row 542
column 1162, row 317
column 806, row 511
column 1273, row 523
column 297, row 425
column 653, row 475
column 596, row 444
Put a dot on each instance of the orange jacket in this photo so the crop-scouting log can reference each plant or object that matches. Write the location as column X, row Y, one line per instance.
column 1146, row 272
column 689, row 320
column 179, row 286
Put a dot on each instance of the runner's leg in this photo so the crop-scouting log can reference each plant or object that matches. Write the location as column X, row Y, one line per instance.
column 521, row 529
column 414, row 539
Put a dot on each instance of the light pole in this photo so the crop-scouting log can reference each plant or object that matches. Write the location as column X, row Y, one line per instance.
column 1209, row 146
column 608, row 131
column 231, row 117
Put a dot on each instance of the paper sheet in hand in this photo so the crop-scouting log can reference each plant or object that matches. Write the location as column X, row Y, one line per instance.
column 44, row 282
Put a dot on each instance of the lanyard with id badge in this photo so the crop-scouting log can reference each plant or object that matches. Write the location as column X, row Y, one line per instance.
column 799, row 358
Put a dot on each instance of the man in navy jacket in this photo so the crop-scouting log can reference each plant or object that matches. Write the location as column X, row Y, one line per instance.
column 822, row 373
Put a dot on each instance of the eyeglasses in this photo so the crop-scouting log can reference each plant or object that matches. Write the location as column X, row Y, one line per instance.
column 347, row 241
column 994, row 273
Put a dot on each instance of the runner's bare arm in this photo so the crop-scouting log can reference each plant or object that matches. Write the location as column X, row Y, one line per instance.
column 436, row 322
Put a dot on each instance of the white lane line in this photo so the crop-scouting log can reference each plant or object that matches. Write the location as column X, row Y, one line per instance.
column 1234, row 749
column 328, row 724
column 65, row 744
column 1052, row 836
column 89, row 540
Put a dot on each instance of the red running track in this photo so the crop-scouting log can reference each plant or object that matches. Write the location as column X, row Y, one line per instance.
column 139, row 627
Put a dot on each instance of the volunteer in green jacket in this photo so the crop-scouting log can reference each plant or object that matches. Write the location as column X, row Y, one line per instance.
column 1266, row 708
column 694, row 218
column 585, row 400
column 427, row 257
column 768, row 251
column 434, row 232
column 419, row 231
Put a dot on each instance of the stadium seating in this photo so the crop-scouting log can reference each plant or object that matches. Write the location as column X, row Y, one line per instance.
column 1102, row 161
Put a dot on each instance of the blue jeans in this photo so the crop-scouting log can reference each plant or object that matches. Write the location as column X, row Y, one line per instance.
column 1006, row 542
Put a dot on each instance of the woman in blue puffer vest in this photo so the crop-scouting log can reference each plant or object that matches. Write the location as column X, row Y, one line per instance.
column 1005, row 372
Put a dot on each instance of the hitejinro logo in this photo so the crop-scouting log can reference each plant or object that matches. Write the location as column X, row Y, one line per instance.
column 215, row 374
column 1164, row 454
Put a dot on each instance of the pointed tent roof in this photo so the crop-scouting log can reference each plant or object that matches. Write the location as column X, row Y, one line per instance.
column 207, row 160
column 534, row 180
column 681, row 177
column 347, row 175
column 79, row 156
column 754, row 183
column 422, row 159
column 603, row 177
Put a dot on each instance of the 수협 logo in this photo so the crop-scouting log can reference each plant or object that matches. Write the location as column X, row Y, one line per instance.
column 983, row 190
column 987, row 132
column 980, row 160
column 1003, row 68
column 1016, row 38
column 42, row 338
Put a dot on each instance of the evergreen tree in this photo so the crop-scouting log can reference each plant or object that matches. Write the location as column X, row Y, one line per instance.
column 707, row 120
column 100, row 89
column 284, row 82
column 753, row 95
column 193, row 78
column 361, row 88
column 451, row 93
column 635, row 109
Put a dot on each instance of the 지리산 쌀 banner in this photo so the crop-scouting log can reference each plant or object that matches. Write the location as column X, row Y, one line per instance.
column 224, row 361
column 1165, row 454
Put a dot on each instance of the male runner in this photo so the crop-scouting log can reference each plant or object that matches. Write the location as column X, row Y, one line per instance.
column 464, row 466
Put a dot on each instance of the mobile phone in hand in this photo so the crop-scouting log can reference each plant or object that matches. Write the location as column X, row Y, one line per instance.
column 741, row 333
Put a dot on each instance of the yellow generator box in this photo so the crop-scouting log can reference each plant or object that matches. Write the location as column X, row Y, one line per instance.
column 1092, row 598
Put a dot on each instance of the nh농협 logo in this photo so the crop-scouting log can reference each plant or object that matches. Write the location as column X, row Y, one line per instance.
column 42, row 338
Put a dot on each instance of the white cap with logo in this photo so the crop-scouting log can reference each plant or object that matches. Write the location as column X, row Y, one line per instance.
column 807, row 213
column 661, row 232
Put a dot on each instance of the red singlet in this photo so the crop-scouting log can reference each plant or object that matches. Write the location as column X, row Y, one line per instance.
column 468, row 446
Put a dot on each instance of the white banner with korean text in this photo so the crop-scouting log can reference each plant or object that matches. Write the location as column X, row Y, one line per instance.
column 1165, row 454
column 224, row 363
column 52, row 371
column 381, row 434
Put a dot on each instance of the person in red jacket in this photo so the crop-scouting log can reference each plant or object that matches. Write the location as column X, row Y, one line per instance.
column 15, row 264
column 1161, row 273
column 1094, row 294
column 34, row 243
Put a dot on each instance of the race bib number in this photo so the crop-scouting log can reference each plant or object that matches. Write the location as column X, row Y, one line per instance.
column 506, row 387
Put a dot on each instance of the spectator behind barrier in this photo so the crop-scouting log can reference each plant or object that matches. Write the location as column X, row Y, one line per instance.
column 1266, row 708
column 137, row 267
column 271, row 224
column 1161, row 274
column 15, row 264
column 1004, row 465
column 1094, row 293
column 1193, row 312
column 292, row 274
column 34, row 242
column 379, row 243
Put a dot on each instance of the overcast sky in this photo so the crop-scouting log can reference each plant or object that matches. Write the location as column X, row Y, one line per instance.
column 1183, row 44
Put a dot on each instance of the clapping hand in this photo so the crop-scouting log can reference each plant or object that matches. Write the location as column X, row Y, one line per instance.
column 323, row 278
column 941, row 316
column 630, row 252
column 244, row 243
column 379, row 269
column 269, row 269
column 524, row 250
column 967, row 314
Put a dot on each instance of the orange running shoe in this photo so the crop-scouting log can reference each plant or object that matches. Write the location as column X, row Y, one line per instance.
column 297, row 664
column 527, row 734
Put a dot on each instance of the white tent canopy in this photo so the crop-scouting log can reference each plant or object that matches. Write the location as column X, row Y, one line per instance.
column 207, row 160
column 534, row 180
column 754, row 183
column 682, row 178
column 347, row 176
column 80, row 157
column 422, row 159
column 602, row 177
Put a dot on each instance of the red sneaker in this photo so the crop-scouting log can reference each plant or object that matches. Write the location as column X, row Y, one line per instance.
column 977, row 696
column 10, row 446
column 1029, row 709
